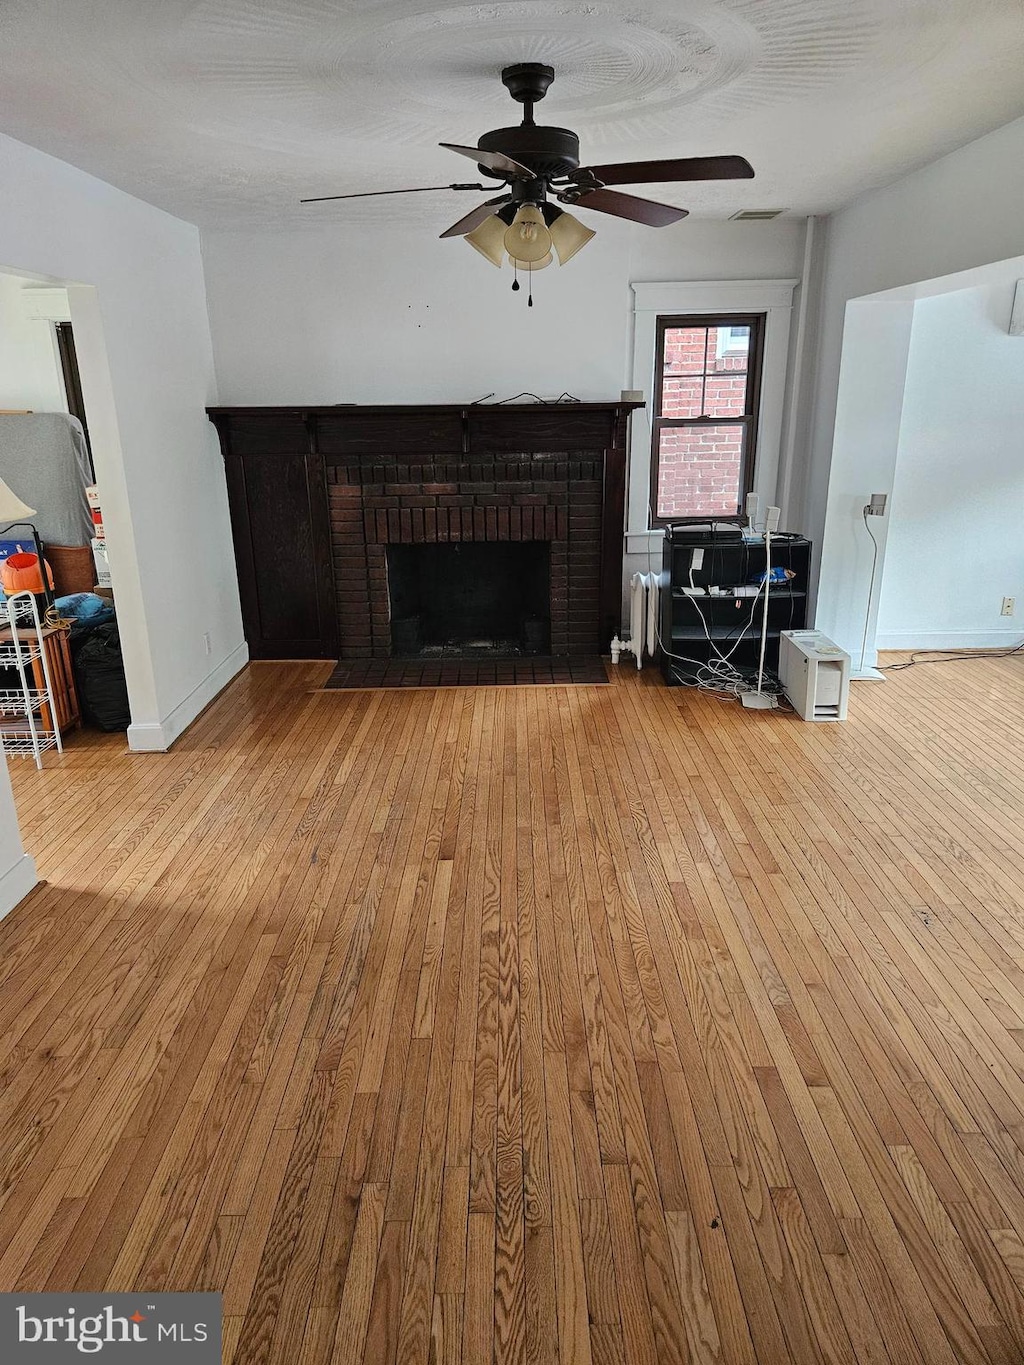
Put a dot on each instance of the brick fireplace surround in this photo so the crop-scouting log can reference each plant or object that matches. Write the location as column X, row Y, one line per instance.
column 536, row 497
column 337, row 486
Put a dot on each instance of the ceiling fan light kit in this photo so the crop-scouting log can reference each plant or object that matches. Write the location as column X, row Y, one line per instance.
column 502, row 236
column 535, row 161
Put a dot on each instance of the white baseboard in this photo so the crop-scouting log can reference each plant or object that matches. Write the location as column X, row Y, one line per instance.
column 949, row 639
column 17, row 882
column 155, row 737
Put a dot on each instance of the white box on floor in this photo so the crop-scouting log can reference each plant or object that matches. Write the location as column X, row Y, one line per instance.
column 99, row 557
column 815, row 674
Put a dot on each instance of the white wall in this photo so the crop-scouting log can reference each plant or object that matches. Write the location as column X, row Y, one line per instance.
column 960, row 212
column 30, row 374
column 955, row 546
column 17, row 868
column 337, row 313
column 143, row 342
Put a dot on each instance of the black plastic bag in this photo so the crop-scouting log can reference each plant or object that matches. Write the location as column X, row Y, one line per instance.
column 99, row 673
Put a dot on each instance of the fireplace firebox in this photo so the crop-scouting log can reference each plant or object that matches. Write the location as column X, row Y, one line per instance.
column 470, row 598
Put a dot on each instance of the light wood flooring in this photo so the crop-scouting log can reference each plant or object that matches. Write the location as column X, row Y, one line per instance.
column 610, row 1024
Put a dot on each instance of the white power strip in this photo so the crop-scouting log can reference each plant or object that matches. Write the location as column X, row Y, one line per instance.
column 759, row 701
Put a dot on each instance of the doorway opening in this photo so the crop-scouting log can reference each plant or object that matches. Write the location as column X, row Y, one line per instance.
column 929, row 411
column 73, row 381
column 65, row 679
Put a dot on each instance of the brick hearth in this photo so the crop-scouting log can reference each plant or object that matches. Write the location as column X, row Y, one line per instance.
column 536, row 496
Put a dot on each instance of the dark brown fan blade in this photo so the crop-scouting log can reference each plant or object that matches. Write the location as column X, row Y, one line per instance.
column 372, row 194
column 661, row 172
column 631, row 207
column 494, row 161
column 475, row 217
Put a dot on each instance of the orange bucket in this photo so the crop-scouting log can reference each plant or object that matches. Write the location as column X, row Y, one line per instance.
column 21, row 573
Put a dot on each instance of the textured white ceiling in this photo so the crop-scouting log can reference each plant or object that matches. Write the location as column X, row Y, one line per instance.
column 229, row 111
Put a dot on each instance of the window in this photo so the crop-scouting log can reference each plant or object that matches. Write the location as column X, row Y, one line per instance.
column 707, row 386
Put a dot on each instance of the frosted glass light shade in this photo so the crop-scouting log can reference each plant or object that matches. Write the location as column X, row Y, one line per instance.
column 569, row 235
column 527, row 266
column 528, row 239
column 489, row 239
column 11, row 506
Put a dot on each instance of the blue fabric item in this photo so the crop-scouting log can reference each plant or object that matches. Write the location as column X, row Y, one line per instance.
column 85, row 606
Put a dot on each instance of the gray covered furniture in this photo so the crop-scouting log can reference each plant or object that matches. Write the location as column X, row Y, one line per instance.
column 43, row 458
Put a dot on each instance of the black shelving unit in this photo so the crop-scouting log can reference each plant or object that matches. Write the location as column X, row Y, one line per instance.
column 732, row 621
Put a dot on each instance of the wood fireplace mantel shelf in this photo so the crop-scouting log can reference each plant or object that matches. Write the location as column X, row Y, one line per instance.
column 318, row 492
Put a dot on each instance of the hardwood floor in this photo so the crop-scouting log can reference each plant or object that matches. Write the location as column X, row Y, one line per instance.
column 610, row 1025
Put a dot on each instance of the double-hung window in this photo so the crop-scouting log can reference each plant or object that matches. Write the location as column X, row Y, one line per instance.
column 707, row 390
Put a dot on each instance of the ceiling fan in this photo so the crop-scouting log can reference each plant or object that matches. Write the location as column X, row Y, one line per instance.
column 535, row 161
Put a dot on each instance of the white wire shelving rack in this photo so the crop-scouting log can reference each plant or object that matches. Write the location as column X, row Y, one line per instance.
column 28, row 716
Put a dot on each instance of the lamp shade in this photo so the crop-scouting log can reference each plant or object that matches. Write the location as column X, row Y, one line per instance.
column 534, row 266
column 568, row 235
column 528, row 239
column 11, row 506
column 489, row 239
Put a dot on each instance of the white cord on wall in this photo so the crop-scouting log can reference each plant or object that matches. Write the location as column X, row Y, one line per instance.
column 875, row 507
column 764, row 614
column 871, row 591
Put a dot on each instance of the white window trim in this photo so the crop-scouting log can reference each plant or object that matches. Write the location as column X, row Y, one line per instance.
column 774, row 298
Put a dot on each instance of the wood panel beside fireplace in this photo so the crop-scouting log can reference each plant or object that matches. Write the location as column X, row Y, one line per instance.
column 318, row 497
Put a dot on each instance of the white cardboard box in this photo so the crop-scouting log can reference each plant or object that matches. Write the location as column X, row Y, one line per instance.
column 99, row 556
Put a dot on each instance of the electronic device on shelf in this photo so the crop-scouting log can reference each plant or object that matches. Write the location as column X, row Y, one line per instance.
column 727, row 530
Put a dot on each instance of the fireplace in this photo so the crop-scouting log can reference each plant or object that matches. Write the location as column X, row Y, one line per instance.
column 325, row 502
column 489, row 599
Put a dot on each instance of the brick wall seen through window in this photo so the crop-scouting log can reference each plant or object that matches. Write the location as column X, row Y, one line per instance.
column 708, row 381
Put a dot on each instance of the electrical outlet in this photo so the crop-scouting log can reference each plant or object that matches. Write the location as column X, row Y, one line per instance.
column 206, row 642
column 1009, row 605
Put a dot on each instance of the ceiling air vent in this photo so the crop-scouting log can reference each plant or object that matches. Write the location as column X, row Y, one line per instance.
column 755, row 215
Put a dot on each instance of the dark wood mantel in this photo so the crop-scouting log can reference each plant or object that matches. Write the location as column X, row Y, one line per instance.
column 297, row 475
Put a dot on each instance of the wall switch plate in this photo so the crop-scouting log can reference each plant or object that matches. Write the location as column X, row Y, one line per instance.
column 206, row 642
column 1009, row 606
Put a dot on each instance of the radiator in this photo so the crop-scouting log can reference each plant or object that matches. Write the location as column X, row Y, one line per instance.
column 644, row 608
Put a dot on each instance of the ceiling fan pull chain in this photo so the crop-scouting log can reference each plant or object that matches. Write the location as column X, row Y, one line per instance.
column 515, row 276
column 529, row 301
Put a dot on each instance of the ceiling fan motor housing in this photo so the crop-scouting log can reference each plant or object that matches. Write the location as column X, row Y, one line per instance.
column 548, row 152
column 527, row 82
